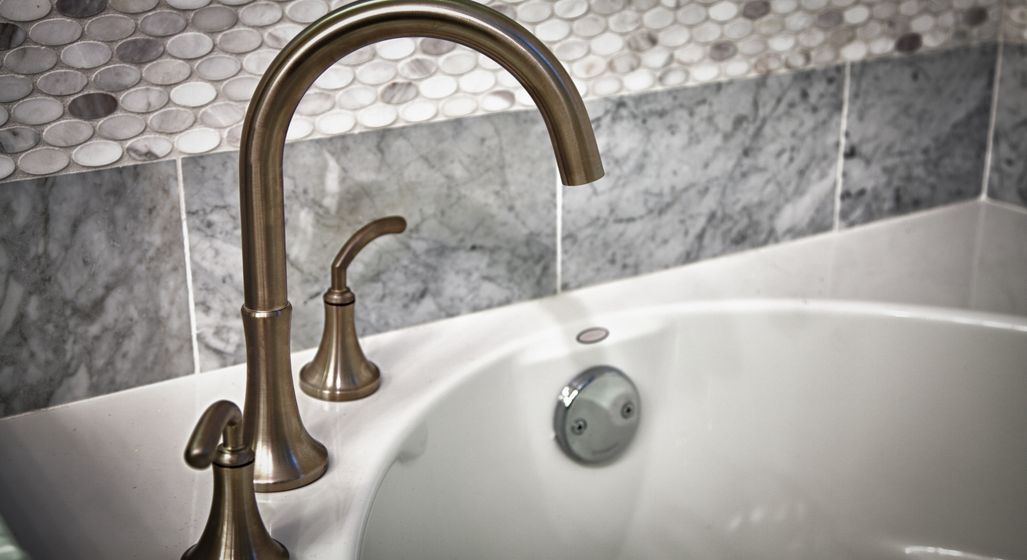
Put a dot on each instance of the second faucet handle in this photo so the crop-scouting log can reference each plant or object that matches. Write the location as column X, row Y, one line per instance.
column 339, row 370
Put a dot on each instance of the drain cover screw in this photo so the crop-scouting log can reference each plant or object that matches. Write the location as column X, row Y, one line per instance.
column 627, row 410
column 579, row 426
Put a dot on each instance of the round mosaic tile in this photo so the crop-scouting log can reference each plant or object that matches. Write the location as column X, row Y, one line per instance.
column 139, row 50
column 260, row 14
column 198, row 141
column 189, row 45
column 335, row 123
column 43, row 161
column 121, row 127
column 97, row 153
column 240, row 88
column 37, row 110
column 30, row 60
column 62, row 82
column 193, row 94
column 222, row 115
column 65, row 134
column 217, row 68
column 86, row 54
column 170, row 121
column 54, row 32
column 239, row 41
column 6, row 166
column 81, row 8
column 111, row 27
column 24, row 10
column 92, row 105
column 144, row 99
column 116, row 78
column 214, row 18
column 149, row 148
column 18, row 139
column 11, row 36
column 162, row 23
column 167, row 72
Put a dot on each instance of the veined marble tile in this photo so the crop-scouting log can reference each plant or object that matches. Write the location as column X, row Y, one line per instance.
column 700, row 172
column 478, row 194
column 1008, row 179
column 917, row 132
column 92, row 285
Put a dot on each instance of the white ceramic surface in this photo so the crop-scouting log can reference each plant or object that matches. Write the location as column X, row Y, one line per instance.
column 771, row 429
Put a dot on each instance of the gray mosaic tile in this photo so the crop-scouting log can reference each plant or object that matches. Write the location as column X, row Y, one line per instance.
column 1008, row 178
column 37, row 110
column 86, row 54
column 97, row 153
column 144, row 99
column 62, row 82
column 139, row 50
column 190, row 45
column 43, row 161
column 26, row 10
column 111, row 27
column 117, row 78
column 55, row 32
column 13, row 88
column 80, row 317
column 11, row 36
column 149, row 148
column 18, row 139
column 163, row 23
column 214, row 18
column 167, row 72
column 80, row 8
column 478, row 194
column 700, row 172
column 68, row 133
column 916, row 134
column 30, row 60
column 93, row 105
column 171, row 120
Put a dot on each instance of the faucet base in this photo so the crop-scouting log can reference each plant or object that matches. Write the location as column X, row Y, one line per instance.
column 287, row 456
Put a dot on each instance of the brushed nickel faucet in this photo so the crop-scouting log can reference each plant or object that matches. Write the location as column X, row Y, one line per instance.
column 287, row 456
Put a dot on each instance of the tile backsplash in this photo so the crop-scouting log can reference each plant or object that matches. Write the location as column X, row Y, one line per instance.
column 130, row 274
column 100, row 83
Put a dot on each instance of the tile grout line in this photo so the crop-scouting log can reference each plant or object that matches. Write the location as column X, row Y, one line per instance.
column 993, row 117
column 188, row 268
column 559, row 230
column 842, row 129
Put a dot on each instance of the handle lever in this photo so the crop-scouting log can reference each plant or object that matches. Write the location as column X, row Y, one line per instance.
column 359, row 240
column 218, row 438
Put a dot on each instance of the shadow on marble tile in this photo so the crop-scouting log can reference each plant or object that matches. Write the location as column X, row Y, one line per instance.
column 93, row 296
column 701, row 172
column 479, row 196
column 1008, row 179
column 916, row 134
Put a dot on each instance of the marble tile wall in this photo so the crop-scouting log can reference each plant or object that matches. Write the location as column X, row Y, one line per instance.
column 693, row 173
column 700, row 172
column 92, row 285
column 1008, row 178
column 917, row 133
column 100, row 83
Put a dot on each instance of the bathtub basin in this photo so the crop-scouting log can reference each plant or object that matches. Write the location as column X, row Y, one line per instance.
column 769, row 430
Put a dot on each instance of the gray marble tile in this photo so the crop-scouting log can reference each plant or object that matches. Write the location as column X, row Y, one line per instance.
column 916, row 135
column 479, row 196
column 700, row 172
column 92, row 285
column 1008, row 179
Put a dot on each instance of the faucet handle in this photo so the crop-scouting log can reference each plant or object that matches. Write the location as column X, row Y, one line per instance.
column 340, row 371
column 218, row 438
column 234, row 528
column 359, row 240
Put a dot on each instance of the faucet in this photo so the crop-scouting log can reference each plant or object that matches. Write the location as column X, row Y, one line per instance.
column 287, row 456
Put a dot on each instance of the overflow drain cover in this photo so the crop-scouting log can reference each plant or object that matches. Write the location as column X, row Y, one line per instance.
column 597, row 415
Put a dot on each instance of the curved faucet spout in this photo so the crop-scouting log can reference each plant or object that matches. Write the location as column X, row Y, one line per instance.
column 344, row 31
column 286, row 455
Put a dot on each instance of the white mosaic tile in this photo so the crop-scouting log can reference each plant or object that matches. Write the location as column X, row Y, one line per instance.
column 140, row 75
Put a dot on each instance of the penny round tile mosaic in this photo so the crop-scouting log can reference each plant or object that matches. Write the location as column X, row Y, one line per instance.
column 106, row 82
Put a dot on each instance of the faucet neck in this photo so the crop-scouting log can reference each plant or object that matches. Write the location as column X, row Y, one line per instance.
column 345, row 30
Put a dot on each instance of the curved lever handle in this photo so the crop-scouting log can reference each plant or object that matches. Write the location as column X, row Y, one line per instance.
column 221, row 419
column 363, row 236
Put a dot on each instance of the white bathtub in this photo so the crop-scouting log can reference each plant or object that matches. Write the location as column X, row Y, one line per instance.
column 768, row 430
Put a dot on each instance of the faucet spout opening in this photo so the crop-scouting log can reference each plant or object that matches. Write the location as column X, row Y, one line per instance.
column 357, row 25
